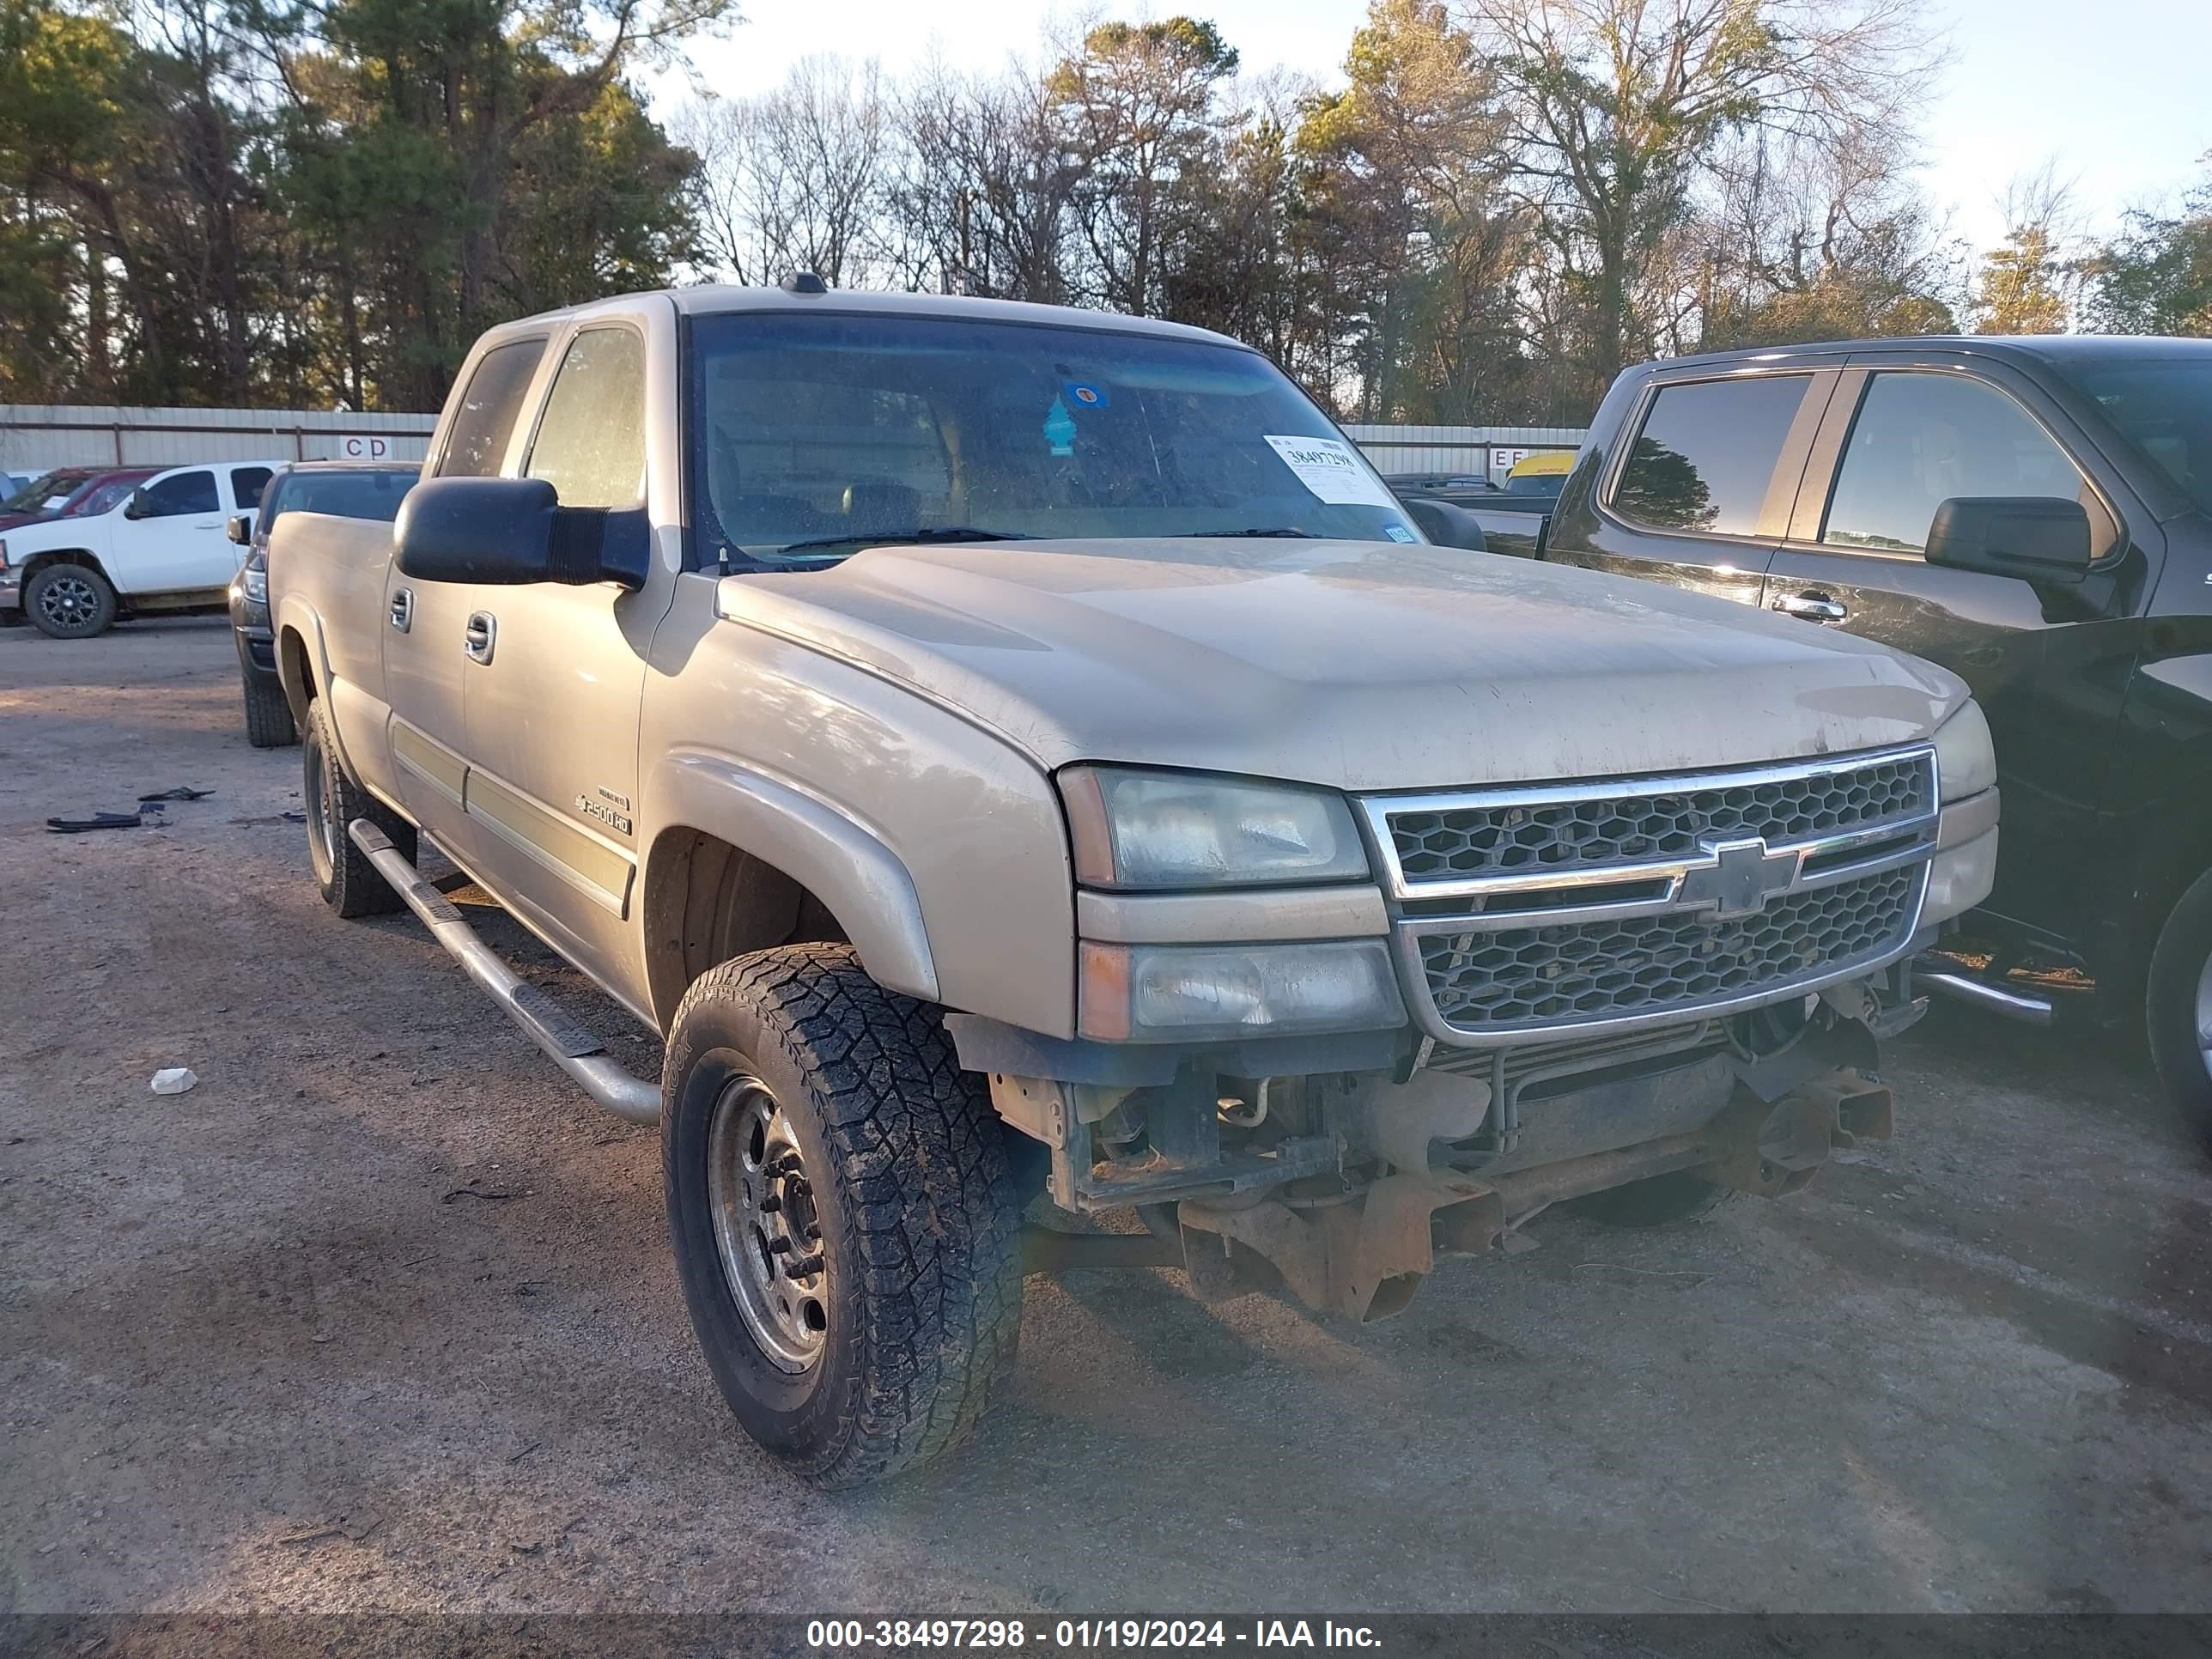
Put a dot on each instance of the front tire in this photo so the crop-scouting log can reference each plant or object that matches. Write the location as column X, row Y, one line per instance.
column 268, row 717
column 2177, row 1009
column 68, row 601
column 845, row 1223
column 349, row 883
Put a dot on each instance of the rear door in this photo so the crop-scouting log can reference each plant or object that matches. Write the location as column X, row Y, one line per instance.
column 1699, row 496
column 1905, row 432
column 161, row 543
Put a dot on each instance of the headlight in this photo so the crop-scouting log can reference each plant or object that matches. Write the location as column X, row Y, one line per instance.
column 257, row 585
column 1155, row 830
column 1966, row 763
column 1190, row 994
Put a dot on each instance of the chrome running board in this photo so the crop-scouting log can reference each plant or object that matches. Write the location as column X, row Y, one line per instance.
column 574, row 1047
column 2033, row 1010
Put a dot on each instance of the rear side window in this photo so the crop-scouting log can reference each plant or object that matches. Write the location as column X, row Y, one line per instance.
column 348, row 495
column 590, row 445
column 1706, row 453
column 247, row 482
column 476, row 442
column 186, row 492
column 1918, row 439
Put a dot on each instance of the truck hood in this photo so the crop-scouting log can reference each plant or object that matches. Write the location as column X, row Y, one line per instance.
column 1356, row 664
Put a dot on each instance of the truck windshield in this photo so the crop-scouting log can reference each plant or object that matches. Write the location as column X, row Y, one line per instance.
column 815, row 435
column 49, row 493
column 2163, row 406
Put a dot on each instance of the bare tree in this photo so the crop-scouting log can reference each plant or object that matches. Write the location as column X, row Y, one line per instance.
column 794, row 180
column 979, row 199
column 1618, row 107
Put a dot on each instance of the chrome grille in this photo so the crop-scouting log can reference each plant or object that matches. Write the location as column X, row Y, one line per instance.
column 1538, row 914
column 1511, row 836
column 1524, row 979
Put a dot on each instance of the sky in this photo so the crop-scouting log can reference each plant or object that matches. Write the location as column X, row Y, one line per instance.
column 2111, row 92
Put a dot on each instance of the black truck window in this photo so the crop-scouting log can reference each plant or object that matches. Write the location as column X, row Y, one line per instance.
column 1706, row 453
column 1918, row 439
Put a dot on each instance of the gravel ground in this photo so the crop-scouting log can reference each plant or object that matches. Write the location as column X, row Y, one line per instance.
column 381, row 1315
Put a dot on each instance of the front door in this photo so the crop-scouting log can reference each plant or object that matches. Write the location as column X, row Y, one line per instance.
column 554, row 695
column 2049, row 664
column 427, row 641
column 1700, row 496
column 171, row 538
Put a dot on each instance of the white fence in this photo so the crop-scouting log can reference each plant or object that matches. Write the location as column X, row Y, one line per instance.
column 36, row 436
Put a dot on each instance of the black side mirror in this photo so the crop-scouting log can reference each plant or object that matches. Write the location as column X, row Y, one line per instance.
column 514, row 530
column 135, row 507
column 1447, row 525
column 239, row 529
column 2035, row 537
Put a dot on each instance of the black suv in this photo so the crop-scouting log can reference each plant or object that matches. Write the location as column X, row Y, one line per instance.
column 344, row 490
column 2033, row 514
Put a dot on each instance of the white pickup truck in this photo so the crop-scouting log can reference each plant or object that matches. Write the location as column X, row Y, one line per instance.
column 1016, row 754
column 163, row 547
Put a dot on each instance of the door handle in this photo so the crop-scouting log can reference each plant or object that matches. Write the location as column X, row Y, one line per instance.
column 403, row 609
column 482, row 635
column 1811, row 607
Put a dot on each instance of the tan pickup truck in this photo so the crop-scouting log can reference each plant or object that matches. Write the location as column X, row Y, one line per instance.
column 1026, row 764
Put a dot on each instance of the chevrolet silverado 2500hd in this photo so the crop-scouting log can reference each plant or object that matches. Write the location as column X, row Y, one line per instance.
column 1012, row 752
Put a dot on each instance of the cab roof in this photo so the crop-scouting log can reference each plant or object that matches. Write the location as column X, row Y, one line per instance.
column 714, row 299
column 2008, row 347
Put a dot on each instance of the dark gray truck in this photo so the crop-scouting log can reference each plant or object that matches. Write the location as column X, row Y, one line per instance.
column 2034, row 515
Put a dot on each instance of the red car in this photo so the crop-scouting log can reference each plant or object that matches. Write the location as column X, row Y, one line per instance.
column 68, row 490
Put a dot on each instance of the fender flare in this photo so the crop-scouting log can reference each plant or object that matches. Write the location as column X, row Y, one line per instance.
column 296, row 615
column 831, row 854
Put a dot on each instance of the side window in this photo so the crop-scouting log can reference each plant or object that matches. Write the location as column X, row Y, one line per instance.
column 1918, row 439
column 475, row 442
column 590, row 445
column 185, row 492
column 246, row 483
column 1706, row 453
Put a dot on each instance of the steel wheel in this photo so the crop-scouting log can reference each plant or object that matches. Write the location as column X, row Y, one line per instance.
column 68, row 601
column 766, row 1230
column 322, row 832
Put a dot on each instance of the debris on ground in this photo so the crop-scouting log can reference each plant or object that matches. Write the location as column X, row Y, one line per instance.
column 174, row 1079
column 97, row 821
column 180, row 792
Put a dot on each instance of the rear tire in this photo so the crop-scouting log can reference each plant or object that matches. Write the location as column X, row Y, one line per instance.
column 268, row 717
column 811, row 1118
column 1654, row 1201
column 68, row 601
column 349, row 882
column 2177, row 1009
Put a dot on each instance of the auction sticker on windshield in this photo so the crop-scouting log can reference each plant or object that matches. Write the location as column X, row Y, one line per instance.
column 1327, row 467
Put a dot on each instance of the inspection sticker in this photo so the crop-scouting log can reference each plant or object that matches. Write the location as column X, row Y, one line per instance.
column 1327, row 467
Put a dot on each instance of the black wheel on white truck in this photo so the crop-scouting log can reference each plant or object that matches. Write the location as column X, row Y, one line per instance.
column 67, row 601
column 844, row 1217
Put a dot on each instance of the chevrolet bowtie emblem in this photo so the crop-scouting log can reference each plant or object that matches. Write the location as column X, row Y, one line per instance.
column 1739, row 880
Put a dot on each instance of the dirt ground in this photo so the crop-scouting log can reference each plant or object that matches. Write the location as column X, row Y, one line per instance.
column 381, row 1314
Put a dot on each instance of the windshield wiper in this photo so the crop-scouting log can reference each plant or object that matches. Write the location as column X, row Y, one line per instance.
column 921, row 536
column 1277, row 530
